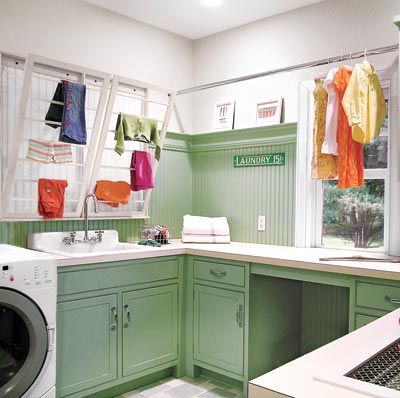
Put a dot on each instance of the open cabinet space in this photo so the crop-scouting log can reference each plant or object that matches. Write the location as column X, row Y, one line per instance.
column 289, row 318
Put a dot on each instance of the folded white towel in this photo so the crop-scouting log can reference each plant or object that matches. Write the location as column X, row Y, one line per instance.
column 205, row 225
column 206, row 238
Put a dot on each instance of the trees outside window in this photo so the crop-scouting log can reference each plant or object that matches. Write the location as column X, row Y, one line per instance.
column 353, row 217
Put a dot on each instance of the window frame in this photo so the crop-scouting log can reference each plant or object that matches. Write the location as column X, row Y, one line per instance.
column 309, row 192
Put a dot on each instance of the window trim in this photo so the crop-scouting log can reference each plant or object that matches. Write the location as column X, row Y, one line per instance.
column 308, row 202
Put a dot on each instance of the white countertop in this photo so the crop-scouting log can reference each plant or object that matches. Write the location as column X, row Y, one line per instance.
column 304, row 258
column 331, row 362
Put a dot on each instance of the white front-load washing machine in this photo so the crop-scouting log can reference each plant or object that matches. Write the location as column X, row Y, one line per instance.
column 28, row 297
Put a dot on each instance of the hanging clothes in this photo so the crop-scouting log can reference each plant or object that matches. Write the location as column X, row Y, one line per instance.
column 364, row 103
column 112, row 193
column 134, row 128
column 51, row 197
column 141, row 171
column 329, row 145
column 324, row 167
column 49, row 151
column 350, row 161
column 71, row 114
column 55, row 112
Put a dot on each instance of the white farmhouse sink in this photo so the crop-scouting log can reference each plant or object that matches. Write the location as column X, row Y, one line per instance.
column 52, row 242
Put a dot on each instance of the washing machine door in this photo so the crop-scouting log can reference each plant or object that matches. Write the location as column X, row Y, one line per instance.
column 23, row 343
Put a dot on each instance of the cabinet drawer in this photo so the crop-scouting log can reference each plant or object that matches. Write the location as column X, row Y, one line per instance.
column 381, row 297
column 219, row 272
column 112, row 275
column 362, row 320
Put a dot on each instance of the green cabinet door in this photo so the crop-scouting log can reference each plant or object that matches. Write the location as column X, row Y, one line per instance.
column 150, row 328
column 86, row 343
column 218, row 327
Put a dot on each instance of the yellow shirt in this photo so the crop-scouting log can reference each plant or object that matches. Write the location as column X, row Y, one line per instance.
column 324, row 166
column 364, row 103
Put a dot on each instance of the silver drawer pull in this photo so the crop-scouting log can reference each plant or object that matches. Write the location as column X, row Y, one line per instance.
column 392, row 300
column 114, row 318
column 218, row 274
column 128, row 316
column 239, row 316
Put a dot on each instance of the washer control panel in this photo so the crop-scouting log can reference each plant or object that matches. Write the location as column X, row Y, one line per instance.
column 29, row 274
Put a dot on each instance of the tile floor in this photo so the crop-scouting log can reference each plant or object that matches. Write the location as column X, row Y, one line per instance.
column 186, row 387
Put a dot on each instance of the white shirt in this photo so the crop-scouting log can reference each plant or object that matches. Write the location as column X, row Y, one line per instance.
column 329, row 146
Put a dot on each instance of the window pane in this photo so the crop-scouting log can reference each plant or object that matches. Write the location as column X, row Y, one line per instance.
column 385, row 125
column 353, row 218
column 376, row 153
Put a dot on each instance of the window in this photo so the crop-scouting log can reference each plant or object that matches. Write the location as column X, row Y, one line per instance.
column 353, row 218
column 357, row 218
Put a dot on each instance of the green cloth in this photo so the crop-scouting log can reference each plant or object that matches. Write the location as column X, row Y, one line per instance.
column 149, row 242
column 134, row 128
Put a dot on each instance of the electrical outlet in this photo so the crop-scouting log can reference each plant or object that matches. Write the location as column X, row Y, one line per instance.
column 261, row 223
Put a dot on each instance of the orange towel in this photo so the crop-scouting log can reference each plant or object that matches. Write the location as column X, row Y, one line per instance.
column 51, row 197
column 113, row 193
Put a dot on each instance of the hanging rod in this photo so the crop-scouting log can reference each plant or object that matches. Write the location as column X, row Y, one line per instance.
column 306, row 65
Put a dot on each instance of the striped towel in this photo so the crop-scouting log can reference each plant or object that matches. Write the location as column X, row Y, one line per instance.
column 49, row 151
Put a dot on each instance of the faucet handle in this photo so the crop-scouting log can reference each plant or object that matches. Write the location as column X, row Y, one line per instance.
column 99, row 235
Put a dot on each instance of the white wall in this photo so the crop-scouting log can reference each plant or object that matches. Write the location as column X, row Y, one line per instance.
column 77, row 32
column 326, row 29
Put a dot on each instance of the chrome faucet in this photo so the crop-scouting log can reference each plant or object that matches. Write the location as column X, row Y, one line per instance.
column 86, row 216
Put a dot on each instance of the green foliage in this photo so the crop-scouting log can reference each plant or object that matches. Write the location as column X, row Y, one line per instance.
column 356, row 213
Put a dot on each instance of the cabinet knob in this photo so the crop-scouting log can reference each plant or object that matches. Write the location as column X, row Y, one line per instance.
column 218, row 274
column 392, row 300
column 128, row 316
column 114, row 318
column 239, row 316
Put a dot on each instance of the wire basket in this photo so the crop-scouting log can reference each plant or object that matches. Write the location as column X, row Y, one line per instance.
column 159, row 233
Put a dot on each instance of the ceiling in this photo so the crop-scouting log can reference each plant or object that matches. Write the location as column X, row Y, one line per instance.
column 194, row 18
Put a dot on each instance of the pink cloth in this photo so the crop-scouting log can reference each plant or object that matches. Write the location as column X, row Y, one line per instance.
column 141, row 171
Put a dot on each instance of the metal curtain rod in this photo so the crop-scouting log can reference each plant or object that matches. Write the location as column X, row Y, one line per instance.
column 306, row 65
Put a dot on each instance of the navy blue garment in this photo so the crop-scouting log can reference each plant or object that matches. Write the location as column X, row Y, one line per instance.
column 73, row 127
column 55, row 112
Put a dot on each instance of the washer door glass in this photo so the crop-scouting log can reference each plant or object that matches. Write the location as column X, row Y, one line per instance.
column 23, row 343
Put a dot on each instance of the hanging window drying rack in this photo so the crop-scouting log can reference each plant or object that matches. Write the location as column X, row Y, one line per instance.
column 107, row 160
column 105, row 98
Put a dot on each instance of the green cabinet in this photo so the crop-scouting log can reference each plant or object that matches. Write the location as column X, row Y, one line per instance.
column 86, row 343
column 116, row 323
column 374, row 298
column 218, row 327
column 150, row 328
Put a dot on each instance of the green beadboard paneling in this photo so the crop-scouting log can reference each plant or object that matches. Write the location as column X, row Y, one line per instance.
column 324, row 314
column 172, row 196
column 242, row 194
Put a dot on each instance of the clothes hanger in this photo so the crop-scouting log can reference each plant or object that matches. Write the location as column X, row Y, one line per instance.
column 365, row 58
column 322, row 75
